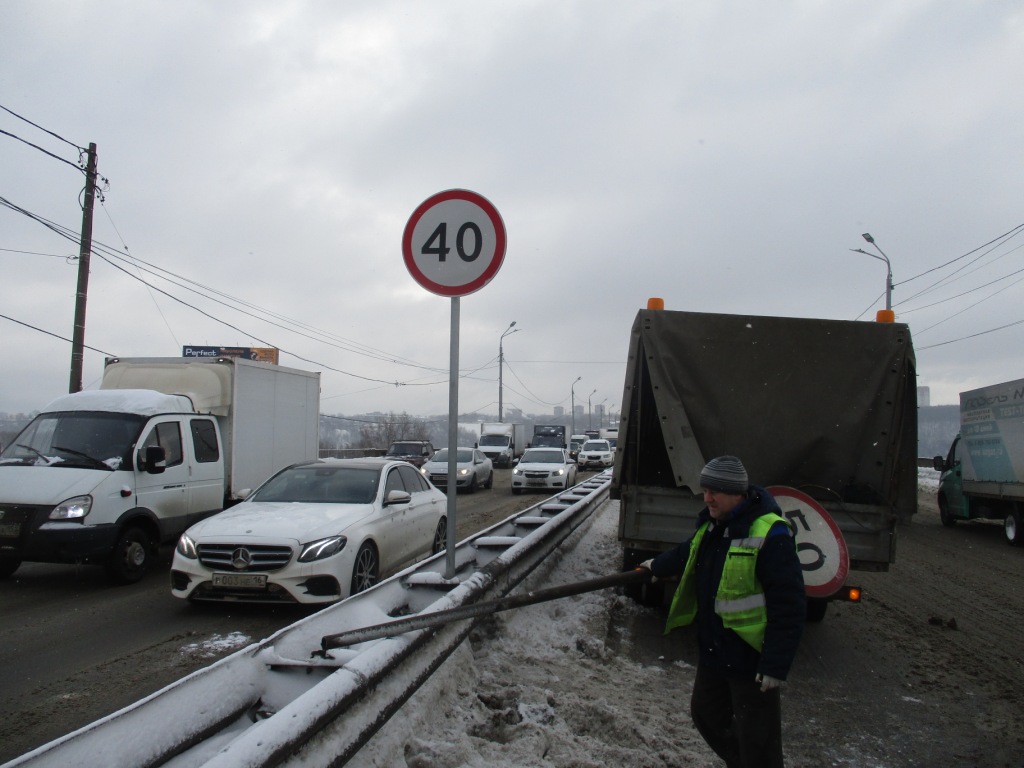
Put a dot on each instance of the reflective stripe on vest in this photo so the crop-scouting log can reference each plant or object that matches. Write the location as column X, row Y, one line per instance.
column 740, row 598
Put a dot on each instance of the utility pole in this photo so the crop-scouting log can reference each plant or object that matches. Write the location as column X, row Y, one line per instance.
column 85, row 249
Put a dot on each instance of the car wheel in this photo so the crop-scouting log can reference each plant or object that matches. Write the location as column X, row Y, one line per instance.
column 944, row 515
column 517, row 491
column 8, row 565
column 132, row 555
column 472, row 484
column 816, row 610
column 366, row 571
column 440, row 537
column 490, row 481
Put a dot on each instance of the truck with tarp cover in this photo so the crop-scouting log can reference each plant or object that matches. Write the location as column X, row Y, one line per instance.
column 824, row 411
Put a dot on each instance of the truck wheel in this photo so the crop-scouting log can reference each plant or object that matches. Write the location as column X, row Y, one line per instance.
column 1013, row 525
column 947, row 519
column 132, row 555
column 366, row 570
column 816, row 610
column 8, row 565
column 440, row 537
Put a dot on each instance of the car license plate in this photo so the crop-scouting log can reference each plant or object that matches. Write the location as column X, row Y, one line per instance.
column 535, row 482
column 10, row 529
column 240, row 580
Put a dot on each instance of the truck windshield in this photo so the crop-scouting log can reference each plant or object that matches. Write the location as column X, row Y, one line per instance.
column 493, row 440
column 76, row 439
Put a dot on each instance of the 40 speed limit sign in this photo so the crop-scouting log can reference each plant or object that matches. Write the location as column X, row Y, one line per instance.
column 454, row 243
column 819, row 542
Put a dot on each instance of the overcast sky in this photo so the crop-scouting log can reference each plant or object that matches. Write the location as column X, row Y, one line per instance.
column 260, row 161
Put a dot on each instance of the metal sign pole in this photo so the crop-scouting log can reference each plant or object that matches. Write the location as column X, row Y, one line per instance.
column 453, row 437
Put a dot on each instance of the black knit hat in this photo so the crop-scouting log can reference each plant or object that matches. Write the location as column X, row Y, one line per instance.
column 725, row 474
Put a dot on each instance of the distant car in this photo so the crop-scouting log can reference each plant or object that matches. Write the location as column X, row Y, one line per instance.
column 542, row 469
column 474, row 470
column 596, row 454
column 416, row 452
column 315, row 532
column 575, row 443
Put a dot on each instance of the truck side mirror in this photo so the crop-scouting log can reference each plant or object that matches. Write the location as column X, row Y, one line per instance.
column 156, row 459
column 939, row 464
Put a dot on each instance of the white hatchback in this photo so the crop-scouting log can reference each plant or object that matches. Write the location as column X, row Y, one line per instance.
column 315, row 532
column 472, row 469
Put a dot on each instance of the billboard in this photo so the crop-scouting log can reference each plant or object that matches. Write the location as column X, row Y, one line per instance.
column 261, row 354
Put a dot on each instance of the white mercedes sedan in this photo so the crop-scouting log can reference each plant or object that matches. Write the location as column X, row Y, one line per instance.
column 315, row 532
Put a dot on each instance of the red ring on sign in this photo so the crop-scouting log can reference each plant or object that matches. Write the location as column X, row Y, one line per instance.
column 834, row 584
column 497, row 258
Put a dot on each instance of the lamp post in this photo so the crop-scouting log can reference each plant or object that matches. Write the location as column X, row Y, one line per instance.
column 572, row 394
column 888, row 278
column 501, row 365
column 590, row 411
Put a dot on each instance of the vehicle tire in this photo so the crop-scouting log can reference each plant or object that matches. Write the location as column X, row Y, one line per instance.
column 1013, row 526
column 816, row 610
column 8, row 565
column 490, row 481
column 366, row 570
column 516, row 491
column 944, row 515
column 440, row 537
column 471, row 488
column 132, row 554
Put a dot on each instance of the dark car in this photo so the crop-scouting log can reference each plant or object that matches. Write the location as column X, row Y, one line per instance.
column 416, row 452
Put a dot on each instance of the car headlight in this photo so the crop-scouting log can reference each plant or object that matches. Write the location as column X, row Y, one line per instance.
column 463, row 471
column 517, row 471
column 321, row 548
column 72, row 509
column 187, row 547
column 560, row 471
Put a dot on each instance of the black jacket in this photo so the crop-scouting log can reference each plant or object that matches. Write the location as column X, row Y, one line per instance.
column 778, row 569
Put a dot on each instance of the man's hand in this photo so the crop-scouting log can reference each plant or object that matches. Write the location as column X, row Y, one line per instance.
column 646, row 564
column 768, row 682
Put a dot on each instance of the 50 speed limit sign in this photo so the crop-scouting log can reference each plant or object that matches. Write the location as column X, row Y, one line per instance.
column 820, row 545
column 454, row 243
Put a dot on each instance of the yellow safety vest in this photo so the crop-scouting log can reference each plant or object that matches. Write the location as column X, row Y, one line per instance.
column 740, row 598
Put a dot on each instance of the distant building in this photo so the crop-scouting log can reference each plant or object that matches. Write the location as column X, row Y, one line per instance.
column 924, row 397
column 559, row 411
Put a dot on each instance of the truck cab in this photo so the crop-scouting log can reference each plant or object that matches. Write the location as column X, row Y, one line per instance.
column 106, row 477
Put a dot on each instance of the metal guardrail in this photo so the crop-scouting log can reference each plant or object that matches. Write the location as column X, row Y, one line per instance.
column 286, row 702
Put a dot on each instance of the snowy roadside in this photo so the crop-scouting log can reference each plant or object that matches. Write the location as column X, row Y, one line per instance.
column 549, row 685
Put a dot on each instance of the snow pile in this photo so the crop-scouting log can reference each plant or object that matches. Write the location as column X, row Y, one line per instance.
column 550, row 685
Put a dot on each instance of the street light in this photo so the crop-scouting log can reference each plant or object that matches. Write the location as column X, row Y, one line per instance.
column 501, row 365
column 590, row 412
column 572, row 393
column 888, row 278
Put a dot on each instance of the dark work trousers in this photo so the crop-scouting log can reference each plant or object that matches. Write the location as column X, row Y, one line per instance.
column 742, row 725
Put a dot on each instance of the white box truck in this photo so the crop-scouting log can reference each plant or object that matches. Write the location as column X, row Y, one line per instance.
column 983, row 472
column 502, row 443
column 105, row 476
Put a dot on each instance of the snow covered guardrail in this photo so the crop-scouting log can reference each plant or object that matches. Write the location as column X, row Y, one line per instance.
column 287, row 702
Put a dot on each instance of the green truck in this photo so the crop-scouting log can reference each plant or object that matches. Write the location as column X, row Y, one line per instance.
column 982, row 475
column 825, row 407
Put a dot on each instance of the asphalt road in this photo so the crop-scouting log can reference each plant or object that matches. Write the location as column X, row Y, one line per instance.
column 74, row 647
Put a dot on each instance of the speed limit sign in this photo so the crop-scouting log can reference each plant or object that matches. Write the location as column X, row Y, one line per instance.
column 454, row 243
column 820, row 545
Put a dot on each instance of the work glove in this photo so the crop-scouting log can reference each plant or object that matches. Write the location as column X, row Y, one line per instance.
column 768, row 682
column 647, row 565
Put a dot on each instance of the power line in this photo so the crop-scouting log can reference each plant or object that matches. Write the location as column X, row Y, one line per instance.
column 55, row 335
column 44, row 130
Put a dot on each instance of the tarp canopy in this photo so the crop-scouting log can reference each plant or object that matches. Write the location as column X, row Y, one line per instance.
column 828, row 406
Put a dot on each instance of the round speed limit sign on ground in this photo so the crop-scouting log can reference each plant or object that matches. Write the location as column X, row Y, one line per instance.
column 454, row 243
column 819, row 542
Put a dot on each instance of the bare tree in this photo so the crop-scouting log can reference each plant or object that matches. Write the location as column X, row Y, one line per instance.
column 392, row 427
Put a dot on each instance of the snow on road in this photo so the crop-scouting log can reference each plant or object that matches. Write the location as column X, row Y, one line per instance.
column 551, row 685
